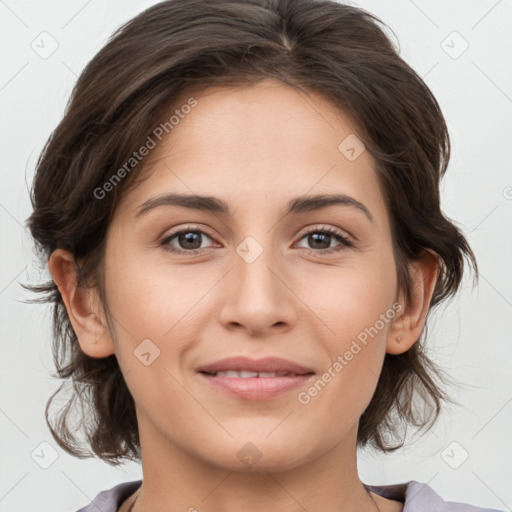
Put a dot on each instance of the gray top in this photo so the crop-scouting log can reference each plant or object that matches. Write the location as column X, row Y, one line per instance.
column 416, row 496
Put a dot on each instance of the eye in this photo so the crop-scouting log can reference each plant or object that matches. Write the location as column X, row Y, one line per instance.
column 322, row 237
column 188, row 241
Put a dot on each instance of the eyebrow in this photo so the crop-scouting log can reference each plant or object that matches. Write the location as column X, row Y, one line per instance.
column 300, row 204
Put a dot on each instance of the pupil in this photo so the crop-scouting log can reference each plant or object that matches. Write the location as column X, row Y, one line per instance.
column 316, row 237
column 188, row 238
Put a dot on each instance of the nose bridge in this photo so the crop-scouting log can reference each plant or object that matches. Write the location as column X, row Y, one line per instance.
column 257, row 297
column 253, row 267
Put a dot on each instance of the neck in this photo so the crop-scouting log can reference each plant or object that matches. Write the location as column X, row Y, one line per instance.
column 329, row 482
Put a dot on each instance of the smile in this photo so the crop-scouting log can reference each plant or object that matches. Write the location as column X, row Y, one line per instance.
column 247, row 385
column 248, row 375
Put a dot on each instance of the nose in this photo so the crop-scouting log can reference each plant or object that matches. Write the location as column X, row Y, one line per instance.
column 259, row 297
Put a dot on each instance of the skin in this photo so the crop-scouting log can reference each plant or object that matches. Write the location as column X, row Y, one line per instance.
column 256, row 148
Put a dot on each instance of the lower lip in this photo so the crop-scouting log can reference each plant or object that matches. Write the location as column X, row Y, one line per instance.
column 256, row 388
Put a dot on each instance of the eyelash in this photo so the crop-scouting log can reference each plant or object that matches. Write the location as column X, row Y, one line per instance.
column 345, row 242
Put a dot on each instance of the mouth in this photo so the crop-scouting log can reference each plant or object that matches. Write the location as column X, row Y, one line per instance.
column 251, row 375
column 246, row 367
column 250, row 379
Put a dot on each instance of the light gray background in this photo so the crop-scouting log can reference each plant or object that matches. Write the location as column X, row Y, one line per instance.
column 470, row 339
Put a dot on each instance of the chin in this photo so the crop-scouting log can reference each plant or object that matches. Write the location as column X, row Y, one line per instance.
column 261, row 454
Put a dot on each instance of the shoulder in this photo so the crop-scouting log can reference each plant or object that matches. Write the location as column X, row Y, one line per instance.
column 110, row 499
column 420, row 497
column 416, row 496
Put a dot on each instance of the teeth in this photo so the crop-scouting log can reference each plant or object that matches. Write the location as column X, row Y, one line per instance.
column 248, row 375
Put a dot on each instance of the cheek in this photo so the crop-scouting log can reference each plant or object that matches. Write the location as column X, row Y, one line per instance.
column 356, row 351
column 160, row 303
column 138, row 292
column 358, row 308
column 354, row 298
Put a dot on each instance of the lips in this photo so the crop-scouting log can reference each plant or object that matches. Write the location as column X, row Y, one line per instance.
column 244, row 378
column 245, row 367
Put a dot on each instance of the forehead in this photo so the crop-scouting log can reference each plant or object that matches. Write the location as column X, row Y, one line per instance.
column 289, row 121
column 260, row 144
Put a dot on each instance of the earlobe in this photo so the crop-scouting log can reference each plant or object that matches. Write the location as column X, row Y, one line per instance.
column 82, row 305
column 407, row 327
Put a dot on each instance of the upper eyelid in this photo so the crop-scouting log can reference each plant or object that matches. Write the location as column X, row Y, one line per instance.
column 172, row 233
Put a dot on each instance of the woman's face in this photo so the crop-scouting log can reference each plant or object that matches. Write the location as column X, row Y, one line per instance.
column 261, row 279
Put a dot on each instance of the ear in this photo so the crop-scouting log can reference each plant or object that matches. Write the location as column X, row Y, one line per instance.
column 83, row 307
column 406, row 328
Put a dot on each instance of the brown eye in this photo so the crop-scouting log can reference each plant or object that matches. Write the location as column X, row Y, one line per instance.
column 187, row 241
column 320, row 240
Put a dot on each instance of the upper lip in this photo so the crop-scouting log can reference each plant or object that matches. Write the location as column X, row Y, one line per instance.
column 266, row 364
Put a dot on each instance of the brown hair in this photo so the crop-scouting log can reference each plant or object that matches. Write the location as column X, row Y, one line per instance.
column 177, row 46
